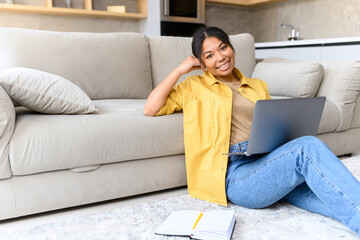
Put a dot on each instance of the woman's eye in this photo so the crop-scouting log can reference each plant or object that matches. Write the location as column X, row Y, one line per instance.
column 209, row 56
column 223, row 48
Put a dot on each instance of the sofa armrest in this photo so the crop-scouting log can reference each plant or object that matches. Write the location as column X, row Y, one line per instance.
column 341, row 85
column 356, row 117
column 7, row 124
column 258, row 60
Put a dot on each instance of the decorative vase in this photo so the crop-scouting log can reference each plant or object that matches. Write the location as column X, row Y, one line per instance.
column 10, row 1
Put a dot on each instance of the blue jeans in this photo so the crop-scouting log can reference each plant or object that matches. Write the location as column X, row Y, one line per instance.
column 303, row 172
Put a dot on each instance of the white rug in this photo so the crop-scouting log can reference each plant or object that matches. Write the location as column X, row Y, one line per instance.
column 280, row 221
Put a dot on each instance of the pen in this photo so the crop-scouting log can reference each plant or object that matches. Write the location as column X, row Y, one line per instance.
column 197, row 220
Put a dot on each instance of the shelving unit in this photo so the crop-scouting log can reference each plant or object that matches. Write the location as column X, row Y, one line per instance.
column 246, row 3
column 87, row 11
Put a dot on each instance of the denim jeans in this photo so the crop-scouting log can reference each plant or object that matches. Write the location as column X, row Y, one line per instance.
column 303, row 172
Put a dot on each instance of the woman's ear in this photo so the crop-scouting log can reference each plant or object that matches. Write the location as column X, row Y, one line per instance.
column 203, row 67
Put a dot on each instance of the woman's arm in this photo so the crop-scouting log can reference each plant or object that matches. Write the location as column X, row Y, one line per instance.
column 159, row 95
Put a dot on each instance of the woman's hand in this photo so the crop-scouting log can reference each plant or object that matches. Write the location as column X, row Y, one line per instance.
column 159, row 95
column 191, row 63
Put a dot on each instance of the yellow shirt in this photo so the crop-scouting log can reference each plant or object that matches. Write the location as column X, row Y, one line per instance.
column 207, row 106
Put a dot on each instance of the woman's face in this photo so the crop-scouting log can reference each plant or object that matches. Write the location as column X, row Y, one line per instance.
column 218, row 57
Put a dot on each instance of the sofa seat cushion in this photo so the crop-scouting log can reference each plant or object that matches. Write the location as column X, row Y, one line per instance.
column 330, row 118
column 118, row 132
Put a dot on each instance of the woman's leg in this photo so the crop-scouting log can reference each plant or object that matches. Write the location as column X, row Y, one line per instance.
column 262, row 182
column 303, row 197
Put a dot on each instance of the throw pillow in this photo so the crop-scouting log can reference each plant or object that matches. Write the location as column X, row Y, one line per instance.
column 44, row 92
column 291, row 78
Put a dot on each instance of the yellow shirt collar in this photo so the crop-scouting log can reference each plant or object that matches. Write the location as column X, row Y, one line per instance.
column 209, row 79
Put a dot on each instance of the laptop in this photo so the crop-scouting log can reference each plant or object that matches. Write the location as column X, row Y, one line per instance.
column 278, row 121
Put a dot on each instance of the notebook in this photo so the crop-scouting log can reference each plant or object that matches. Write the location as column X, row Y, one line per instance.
column 209, row 225
column 278, row 121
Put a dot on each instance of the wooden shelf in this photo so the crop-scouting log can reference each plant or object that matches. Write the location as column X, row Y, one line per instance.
column 87, row 12
column 246, row 3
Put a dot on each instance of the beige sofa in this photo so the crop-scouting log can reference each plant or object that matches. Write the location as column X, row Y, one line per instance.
column 50, row 162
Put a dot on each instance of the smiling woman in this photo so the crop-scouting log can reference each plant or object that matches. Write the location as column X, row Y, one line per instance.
column 207, row 104
column 217, row 109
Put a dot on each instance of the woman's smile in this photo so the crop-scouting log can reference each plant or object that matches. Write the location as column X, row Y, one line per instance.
column 224, row 67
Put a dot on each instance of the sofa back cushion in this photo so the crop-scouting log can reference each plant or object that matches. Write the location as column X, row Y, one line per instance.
column 290, row 78
column 103, row 65
column 169, row 52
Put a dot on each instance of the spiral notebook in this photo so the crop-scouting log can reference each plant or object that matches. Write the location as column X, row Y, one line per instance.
column 209, row 225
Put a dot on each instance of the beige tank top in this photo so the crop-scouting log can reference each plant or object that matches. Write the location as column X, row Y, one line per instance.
column 242, row 113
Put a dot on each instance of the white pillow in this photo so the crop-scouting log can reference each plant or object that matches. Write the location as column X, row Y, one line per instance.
column 291, row 78
column 45, row 92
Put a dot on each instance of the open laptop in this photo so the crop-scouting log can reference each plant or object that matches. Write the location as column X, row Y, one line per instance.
column 278, row 121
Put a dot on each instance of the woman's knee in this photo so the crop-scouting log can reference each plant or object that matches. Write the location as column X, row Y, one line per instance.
column 309, row 140
column 312, row 142
column 315, row 150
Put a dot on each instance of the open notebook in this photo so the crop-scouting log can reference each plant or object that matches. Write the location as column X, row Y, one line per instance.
column 209, row 225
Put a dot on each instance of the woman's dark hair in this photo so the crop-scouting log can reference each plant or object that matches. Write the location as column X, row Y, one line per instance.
column 203, row 33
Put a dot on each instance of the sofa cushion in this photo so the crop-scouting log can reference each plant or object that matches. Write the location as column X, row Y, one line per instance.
column 244, row 52
column 340, row 85
column 118, row 132
column 166, row 54
column 290, row 78
column 103, row 65
column 44, row 92
column 169, row 52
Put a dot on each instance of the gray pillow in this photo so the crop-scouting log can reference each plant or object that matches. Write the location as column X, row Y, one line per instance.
column 291, row 78
column 44, row 92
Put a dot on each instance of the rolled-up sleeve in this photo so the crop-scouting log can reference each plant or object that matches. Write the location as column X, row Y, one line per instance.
column 175, row 100
column 266, row 90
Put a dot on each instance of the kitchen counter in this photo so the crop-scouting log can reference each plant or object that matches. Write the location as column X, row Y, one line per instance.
column 311, row 42
column 345, row 48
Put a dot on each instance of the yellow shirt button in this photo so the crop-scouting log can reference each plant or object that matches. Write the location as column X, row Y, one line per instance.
column 243, row 91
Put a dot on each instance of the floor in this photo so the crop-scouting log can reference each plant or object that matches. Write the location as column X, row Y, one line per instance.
column 43, row 218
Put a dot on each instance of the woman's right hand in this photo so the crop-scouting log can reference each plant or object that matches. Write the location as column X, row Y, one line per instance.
column 159, row 95
column 191, row 63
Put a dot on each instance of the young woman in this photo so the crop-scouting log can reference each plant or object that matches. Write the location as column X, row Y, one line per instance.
column 217, row 108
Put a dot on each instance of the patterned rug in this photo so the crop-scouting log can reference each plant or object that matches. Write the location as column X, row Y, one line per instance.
column 280, row 221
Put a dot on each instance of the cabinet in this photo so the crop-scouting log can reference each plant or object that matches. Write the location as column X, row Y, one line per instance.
column 246, row 3
column 88, row 11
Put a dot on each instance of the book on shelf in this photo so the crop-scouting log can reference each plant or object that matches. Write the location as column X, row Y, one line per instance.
column 209, row 225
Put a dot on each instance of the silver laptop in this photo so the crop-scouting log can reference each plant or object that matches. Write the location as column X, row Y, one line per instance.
column 278, row 121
